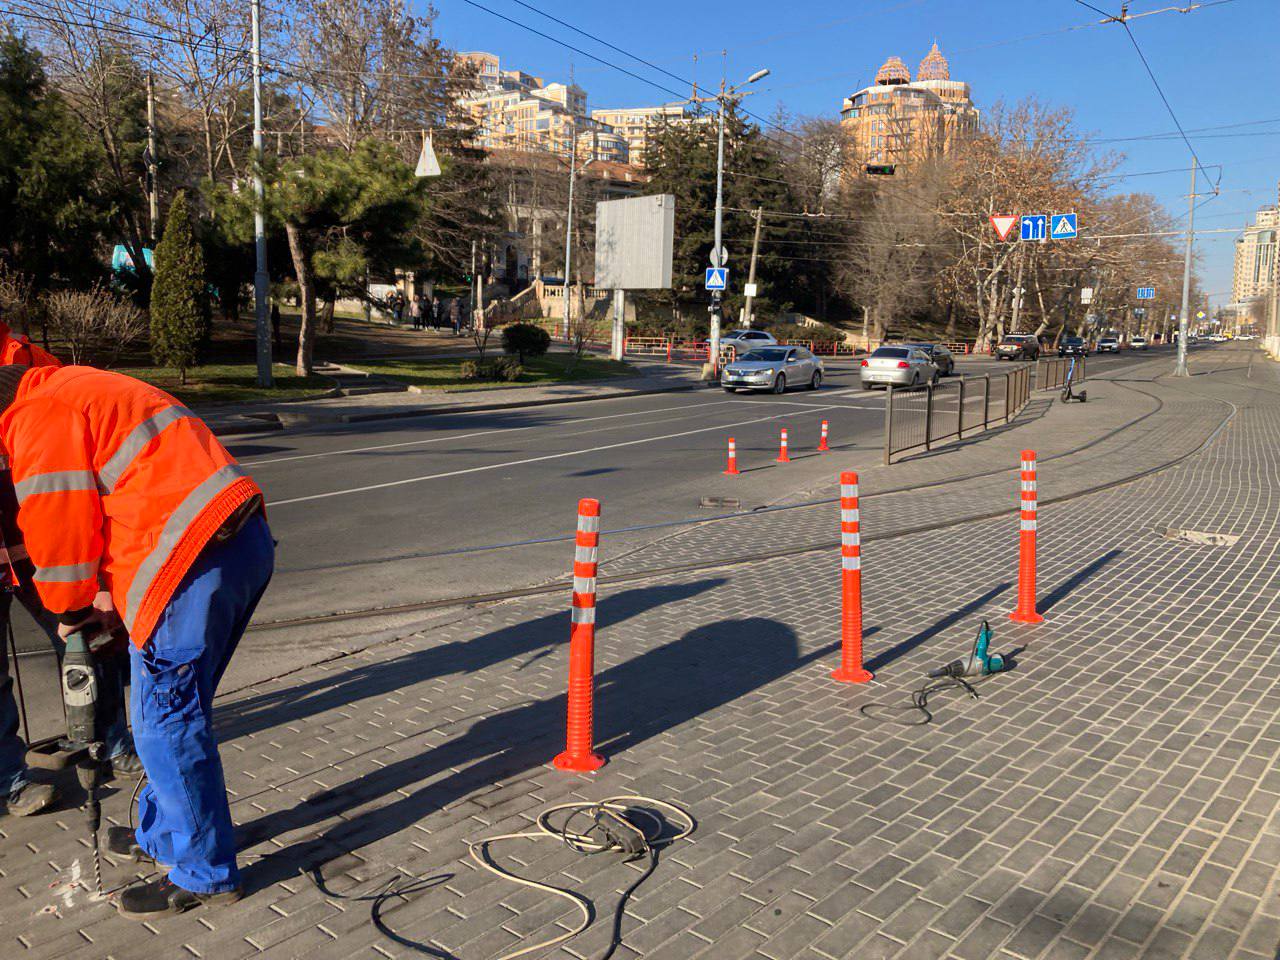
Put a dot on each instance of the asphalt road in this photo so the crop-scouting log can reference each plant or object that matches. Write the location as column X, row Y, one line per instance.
column 376, row 514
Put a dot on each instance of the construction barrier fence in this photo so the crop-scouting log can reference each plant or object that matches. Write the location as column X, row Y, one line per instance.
column 919, row 420
column 1051, row 374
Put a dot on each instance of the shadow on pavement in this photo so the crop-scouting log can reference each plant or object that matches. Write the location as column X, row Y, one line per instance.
column 952, row 618
column 1063, row 590
column 635, row 701
column 342, row 688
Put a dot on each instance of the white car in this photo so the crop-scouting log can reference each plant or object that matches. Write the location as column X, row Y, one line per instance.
column 1138, row 343
column 743, row 341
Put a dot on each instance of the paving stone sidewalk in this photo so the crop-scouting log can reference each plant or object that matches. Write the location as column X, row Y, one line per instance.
column 1113, row 796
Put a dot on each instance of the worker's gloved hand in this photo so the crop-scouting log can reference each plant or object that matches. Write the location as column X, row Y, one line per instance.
column 107, row 614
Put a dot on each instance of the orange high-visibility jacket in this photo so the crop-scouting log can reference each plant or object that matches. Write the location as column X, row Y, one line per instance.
column 119, row 485
column 15, row 348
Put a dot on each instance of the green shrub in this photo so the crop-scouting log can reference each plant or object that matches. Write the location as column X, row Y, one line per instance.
column 525, row 340
column 179, row 295
column 504, row 369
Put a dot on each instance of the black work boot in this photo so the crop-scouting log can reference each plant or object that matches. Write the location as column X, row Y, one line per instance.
column 158, row 898
column 31, row 798
column 123, row 842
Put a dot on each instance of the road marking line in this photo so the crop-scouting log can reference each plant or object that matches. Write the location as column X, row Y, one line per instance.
column 517, row 463
column 464, row 436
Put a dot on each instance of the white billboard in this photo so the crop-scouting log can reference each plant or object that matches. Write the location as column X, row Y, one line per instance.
column 634, row 240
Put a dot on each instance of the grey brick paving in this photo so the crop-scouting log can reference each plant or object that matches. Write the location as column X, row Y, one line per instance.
column 1116, row 795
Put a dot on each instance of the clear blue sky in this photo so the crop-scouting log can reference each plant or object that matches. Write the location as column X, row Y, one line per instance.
column 1217, row 66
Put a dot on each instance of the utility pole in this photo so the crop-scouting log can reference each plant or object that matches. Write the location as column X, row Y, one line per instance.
column 153, row 200
column 1180, row 369
column 748, row 313
column 717, row 295
column 568, row 223
column 260, row 278
column 716, row 261
column 480, row 322
column 473, row 281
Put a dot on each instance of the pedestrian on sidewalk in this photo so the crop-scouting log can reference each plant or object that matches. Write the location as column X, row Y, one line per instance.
column 21, row 796
column 435, row 312
column 415, row 312
column 120, row 485
column 455, row 316
column 275, row 329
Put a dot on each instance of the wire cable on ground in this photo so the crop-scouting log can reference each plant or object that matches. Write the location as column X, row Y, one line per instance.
column 890, row 713
column 633, row 825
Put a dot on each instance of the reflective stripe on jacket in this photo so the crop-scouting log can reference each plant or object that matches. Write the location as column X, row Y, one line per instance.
column 119, row 485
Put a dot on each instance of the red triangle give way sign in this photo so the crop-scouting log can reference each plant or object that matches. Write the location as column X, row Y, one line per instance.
column 1003, row 224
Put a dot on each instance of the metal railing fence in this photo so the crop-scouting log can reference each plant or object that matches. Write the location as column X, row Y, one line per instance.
column 1051, row 373
column 924, row 418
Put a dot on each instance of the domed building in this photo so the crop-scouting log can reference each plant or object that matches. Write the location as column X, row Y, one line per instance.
column 898, row 120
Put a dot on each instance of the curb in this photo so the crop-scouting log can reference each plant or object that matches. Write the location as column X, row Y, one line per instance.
column 306, row 420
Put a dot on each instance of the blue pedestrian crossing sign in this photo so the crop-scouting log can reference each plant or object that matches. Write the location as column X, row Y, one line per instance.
column 1062, row 226
column 1146, row 293
column 1035, row 226
column 717, row 278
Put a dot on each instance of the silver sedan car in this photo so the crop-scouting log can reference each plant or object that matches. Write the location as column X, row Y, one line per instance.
column 774, row 369
column 902, row 366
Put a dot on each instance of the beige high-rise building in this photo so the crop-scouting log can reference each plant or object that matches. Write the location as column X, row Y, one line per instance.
column 635, row 123
column 898, row 120
column 1255, row 267
column 513, row 110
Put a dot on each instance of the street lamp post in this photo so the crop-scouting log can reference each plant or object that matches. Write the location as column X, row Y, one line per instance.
column 261, row 281
column 716, row 295
column 1184, row 323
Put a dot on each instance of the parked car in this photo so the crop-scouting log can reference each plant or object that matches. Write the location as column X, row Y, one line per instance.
column 745, row 340
column 1138, row 343
column 1073, row 346
column 1108, row 345
column 773, row 368
column 1018, row 346
column 903, row 366
column 940, row 355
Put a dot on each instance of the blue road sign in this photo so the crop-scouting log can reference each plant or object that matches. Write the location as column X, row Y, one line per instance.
column 1062, row 226
column 717, row 278
column 1035, row 226
column 1146, row 293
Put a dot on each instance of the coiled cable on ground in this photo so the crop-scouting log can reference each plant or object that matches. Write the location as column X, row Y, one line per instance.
column 594, row 840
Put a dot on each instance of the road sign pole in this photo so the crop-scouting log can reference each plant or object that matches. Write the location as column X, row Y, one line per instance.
column 751, row 272
column 1180, row 369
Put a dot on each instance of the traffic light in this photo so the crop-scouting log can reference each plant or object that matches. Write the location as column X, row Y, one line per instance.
column 880, row 169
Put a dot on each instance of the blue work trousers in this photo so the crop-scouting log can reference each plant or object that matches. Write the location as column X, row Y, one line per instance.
column 183, row 817
column 13, row 752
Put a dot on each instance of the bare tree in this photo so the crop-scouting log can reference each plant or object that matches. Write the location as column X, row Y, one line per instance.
column 93, row 325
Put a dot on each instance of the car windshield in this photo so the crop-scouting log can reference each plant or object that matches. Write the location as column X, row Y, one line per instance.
column 925, row 347
column 1073, row 341
column 742, row 334
column 776, row 353
column 897, row 353
column 1015, row 340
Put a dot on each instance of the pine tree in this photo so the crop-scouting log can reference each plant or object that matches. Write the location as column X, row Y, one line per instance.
column 179, row 297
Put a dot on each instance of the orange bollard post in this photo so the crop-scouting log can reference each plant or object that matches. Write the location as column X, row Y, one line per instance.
column 822, row 444
column 782, row 448
column 732, row 469
column 850, row 669
column 1026, row 612
column 578, row 754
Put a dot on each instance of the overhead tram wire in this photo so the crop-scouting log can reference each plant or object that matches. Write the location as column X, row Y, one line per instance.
column 1123, row 20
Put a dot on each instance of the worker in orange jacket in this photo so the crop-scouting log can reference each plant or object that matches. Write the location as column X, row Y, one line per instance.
column 18, row 349
column 20, row 795
column 120, row 485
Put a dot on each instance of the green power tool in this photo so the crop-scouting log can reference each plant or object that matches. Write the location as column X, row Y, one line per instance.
column 981, row 661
